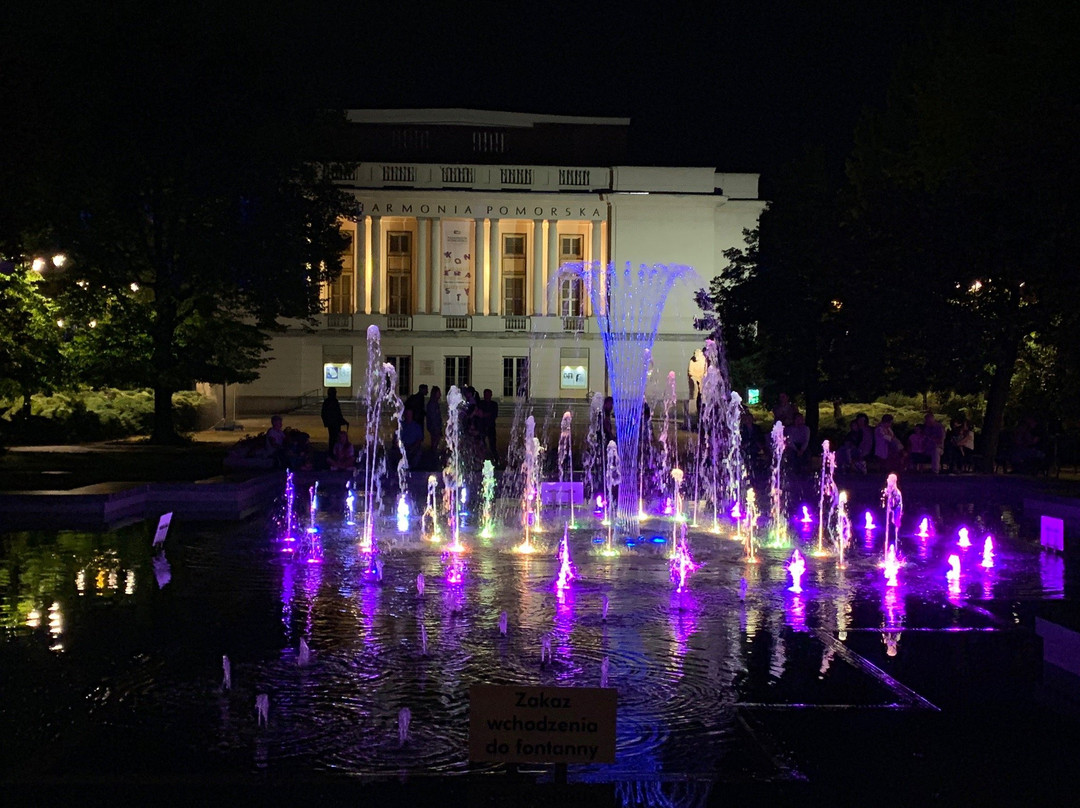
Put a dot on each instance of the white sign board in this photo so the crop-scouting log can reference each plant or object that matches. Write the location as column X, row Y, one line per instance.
column 337, row 374
column 1052, row 533
column 457, row 268
column 574, row 377
column 162, row 529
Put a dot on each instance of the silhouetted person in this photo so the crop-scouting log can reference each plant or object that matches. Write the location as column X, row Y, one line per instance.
column 332, row 418
column 489, row 413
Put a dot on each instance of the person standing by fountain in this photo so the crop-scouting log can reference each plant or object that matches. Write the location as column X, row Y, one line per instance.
column 415, row 404
column 488, row 410
column 433, row 411
column 332, row 418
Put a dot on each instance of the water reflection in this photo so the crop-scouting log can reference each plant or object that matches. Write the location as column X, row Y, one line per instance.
column 680, row 660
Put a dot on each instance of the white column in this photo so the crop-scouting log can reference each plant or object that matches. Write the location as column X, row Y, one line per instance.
column 436, row 266
column 538, row 267
column 495, row 298
column 360, row 257
column 597, row 256
column 552, row 267
column 479, row 245
column 423, row 253
column 376, row 265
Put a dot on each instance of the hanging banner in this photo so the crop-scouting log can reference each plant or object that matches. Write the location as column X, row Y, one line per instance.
column 457, row 267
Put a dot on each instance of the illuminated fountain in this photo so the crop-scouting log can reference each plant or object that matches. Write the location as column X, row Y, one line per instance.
column 530, row 495
column 707, row 465
column 964, row 537
column 487, row 499
column 797, row 567
column 953, row 575
column 682, row 564
column 669, row 449
column 430, row 520
column 627, row 302
column 893, row 501
column 567, row 573
column 749, row 525
column 827, row 493
column 452, row 476
column 398, row 409
column 988, row 553
column 566, row 460
column 350, row 502
column 778, row 533
column 734, row 469
column 843, row 527
column 289, row 530
column 592, row 458
column 611, row 482
column 924, row 528
column 374, row 464
column 676, row 495
column 892, row 565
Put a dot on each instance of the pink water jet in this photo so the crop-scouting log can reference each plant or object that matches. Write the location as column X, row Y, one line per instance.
column 953, row 575
column 797, row 567
column 924, row 528
column 868, row 521
column 806, row 517
column 965, row 537
column 682, row 566
column 892, row 565
column 567, row 573
column 988, row 552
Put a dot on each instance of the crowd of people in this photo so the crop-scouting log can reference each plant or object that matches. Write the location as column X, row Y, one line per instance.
column 927, row 446
column 884, row 447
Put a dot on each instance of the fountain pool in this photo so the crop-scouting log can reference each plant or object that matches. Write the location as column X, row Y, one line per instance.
column 113, row 663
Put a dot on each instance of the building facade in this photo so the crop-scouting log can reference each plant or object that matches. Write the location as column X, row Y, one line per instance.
column 459, row 232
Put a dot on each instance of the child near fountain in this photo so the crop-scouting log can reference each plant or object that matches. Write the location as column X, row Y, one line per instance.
column 342, row 456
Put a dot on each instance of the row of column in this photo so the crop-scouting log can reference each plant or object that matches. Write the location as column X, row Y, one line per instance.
column 486, row 299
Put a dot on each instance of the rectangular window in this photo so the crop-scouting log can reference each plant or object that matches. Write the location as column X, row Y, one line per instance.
column 515, row 377
column 513, row 272
column 399, row 261
column 339, row 294
column 571, row 290
column 403, row 366
column 458, row 371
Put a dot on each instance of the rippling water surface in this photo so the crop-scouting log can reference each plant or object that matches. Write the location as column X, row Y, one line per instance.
column 104, row 644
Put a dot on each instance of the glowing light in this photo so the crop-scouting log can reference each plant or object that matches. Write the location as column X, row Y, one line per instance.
column 567, row 573
column 868, row 521
column 736, row 513
column 924, row 528
column 402, row 514
column 59, row 260
column 965, row 537
column 953, row 575
column 797, row 566
column 988, row 552
column 892, row 565
column 806, row 517
column 134, row 286
column 92, row 323
column 39, row 265
column 682, row 566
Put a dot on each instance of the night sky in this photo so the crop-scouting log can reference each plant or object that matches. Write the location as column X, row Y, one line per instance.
column 739, row 86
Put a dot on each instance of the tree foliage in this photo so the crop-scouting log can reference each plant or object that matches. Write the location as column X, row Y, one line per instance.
column 950, row 252
column 182, row 183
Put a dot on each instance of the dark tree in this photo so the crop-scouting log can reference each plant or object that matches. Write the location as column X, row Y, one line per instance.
column 175, row 162
column 966, row 189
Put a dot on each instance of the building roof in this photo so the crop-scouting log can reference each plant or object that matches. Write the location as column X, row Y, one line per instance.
column 474, row 117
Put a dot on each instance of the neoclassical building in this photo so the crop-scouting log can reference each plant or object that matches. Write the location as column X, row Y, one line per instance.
column 463, row 219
